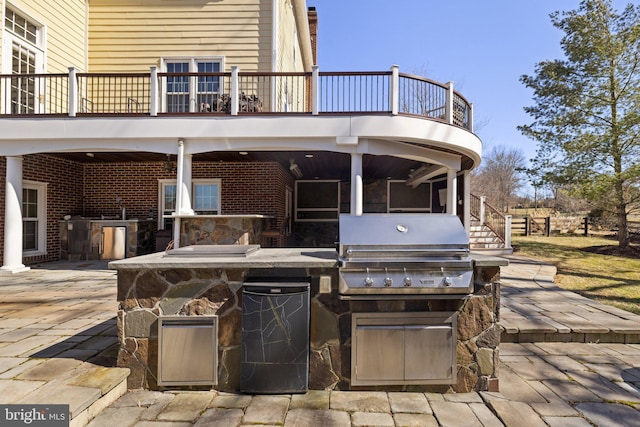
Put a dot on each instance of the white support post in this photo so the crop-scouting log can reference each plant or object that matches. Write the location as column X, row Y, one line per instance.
column 356, row 184
column 449, row 108
column 186, row 207
column 507, row 231
column 452, row 190
column 483, row 213
column 12, row 260
column 466, row 201
column 234, row 90
column 153, row 92
column 394, row 91
column 73, row 92
column 315, row 90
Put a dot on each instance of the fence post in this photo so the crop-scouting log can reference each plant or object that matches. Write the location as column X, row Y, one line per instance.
column 153, row 92
column 547, row 226
column 507, row 231
column 586, row 225
column 73, row 92
column 482, row 210
column 449, row 109
column 234, row 90
column 527, row 228
column 394, row 92
column 315, row 90
column 470, row 117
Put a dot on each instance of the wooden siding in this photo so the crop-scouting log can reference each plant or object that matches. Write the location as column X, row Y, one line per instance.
column 288, row 39
column 131, row 36
column 66, row 23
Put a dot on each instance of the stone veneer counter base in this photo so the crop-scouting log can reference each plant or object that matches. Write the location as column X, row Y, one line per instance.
column 155, row 285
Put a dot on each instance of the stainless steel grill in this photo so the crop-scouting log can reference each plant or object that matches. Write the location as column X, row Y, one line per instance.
column 404, row 254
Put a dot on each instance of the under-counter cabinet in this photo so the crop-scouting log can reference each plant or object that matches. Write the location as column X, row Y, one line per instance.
column 403, row 348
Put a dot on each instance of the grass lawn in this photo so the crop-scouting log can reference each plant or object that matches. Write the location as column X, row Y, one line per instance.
column 610, row 279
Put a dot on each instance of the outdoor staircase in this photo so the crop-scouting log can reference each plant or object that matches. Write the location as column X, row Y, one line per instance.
column 484, row 240
column 489, row 229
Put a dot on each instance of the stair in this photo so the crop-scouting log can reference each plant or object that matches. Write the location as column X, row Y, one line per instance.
column 482, row 239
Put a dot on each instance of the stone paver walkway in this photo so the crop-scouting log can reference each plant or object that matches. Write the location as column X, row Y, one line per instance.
column 57, row 342
column 534, row 309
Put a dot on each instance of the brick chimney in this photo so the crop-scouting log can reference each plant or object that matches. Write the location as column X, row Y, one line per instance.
column 313, row 32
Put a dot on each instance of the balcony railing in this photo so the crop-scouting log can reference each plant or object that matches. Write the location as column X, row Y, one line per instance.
column 234, row 93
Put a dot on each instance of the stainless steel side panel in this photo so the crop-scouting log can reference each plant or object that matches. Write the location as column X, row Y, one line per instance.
column 188, row 350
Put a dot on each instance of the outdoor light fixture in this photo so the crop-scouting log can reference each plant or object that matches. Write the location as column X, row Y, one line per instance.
column 295, row 169
column 169, row 166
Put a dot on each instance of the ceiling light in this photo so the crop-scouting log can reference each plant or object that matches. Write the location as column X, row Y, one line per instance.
column 309, row 156
column 243, row 153
column 294, row 168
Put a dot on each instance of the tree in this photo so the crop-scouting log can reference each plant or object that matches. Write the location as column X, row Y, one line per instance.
column 586, row 112
column 499, row 177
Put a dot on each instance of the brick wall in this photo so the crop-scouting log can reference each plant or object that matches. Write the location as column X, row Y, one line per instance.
column 93, row 189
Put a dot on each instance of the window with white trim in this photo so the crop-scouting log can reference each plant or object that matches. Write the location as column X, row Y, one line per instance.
column 192, row 93
column 205, row 199
column 34, row 218
column 24, row 46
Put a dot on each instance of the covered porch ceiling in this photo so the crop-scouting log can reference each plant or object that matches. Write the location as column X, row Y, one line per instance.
column 312, row 164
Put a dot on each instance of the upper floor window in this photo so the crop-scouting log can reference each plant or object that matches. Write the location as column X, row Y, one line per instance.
column 24, row 47
column 20, row 26
column 193, row 93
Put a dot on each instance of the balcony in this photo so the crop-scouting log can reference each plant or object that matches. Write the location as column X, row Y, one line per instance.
column 235, row 93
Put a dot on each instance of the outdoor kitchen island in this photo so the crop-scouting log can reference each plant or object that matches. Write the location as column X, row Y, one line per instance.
column 152, row 287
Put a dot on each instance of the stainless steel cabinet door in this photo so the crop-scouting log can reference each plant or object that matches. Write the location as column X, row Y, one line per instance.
column 379, row 353
column 429, row 353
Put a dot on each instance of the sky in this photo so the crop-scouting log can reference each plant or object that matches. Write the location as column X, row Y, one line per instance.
column 483, row 47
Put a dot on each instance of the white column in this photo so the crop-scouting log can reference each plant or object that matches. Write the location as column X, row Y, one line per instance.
column 356, row 184
column 12, row 262
column 467, row 201
column 186, row 207
column 73, row 92
column 235, row 91
column 449, row 108
column 153, row 92
column 394, row 92
column 315, row 90
column 451, row 191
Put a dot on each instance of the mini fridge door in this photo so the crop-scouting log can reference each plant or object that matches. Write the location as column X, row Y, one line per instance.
column 114, row 243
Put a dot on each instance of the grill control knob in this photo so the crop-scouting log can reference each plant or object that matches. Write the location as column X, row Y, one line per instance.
column 388, row 281
column 447, row 281
column 368, row 281
column 408, row 281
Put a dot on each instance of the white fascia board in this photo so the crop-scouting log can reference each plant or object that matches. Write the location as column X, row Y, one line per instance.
column 203, row 134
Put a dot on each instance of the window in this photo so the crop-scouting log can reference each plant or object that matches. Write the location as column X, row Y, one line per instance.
column 23, row 47
column 317, row 200
column 205, row 200
column 34, row 218
column 404, row 198
column 192, row 93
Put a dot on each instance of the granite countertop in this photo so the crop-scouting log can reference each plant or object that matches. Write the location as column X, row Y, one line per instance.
column 261, row 258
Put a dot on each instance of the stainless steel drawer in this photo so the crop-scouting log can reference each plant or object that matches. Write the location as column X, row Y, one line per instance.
column 187, row 350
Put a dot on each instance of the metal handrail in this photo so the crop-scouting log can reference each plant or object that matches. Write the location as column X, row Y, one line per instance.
column 257, row 92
